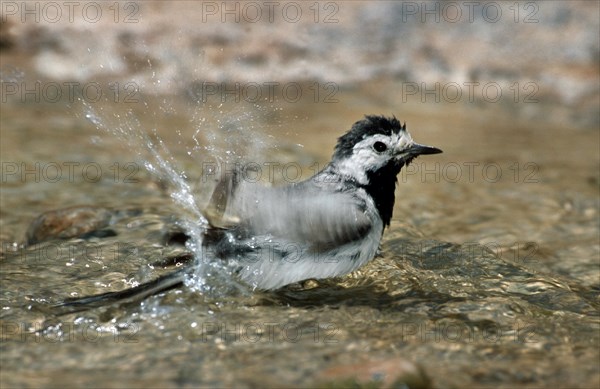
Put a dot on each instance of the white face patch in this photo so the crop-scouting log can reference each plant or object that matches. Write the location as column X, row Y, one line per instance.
column 365, row 158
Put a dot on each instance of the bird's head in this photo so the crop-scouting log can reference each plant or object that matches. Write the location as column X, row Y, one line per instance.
column 375, row 145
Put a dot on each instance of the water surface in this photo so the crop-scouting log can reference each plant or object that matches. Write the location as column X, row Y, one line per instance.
column 489, row 275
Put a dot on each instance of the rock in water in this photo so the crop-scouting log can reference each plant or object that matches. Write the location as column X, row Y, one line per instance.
column 67, row 223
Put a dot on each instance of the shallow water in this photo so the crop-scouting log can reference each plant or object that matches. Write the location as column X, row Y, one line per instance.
column 489, row 275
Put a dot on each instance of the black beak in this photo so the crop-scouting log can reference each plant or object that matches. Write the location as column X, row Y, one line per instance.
column 417, row 149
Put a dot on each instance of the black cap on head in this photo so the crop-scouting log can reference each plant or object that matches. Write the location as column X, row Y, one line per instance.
column 370, row 125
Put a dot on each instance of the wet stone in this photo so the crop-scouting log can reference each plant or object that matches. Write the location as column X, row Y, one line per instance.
column 85, row 221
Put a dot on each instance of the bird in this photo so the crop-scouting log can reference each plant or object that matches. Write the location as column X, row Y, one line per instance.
column 326, row 226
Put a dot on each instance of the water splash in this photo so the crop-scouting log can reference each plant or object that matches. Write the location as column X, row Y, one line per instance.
column 159, row 161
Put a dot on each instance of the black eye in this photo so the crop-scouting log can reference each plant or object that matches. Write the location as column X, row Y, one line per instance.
column 380, row 147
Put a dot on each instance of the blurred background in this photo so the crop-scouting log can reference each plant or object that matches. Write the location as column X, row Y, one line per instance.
column 537, row 60
column 92, row 92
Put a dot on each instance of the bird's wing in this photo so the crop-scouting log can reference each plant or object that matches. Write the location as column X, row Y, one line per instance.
column 306, row 215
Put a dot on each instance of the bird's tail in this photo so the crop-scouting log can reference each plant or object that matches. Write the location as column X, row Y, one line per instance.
column 134, row 294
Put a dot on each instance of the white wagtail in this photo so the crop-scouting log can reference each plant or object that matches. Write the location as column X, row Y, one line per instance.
column 326, row 226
